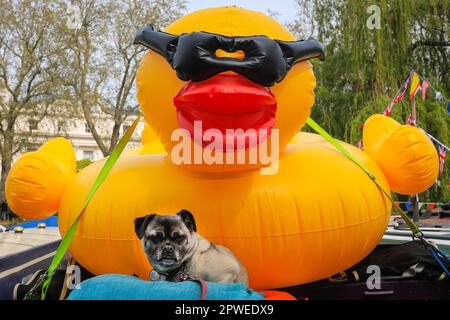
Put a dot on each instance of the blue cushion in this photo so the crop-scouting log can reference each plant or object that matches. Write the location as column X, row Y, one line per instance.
column 122, row 287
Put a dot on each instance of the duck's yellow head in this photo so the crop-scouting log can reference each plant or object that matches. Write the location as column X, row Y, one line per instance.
column 222, row 69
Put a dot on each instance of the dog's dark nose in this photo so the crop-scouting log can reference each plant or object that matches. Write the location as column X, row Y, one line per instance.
column 167, row 250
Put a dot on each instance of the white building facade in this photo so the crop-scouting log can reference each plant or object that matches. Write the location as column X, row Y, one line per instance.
column 76, row 131
column 33, row 130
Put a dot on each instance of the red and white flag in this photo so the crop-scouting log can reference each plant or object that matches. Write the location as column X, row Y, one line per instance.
column 425, row 86
column 388, row 110
column 411, row 122
column 404, row 88
column 442, row 153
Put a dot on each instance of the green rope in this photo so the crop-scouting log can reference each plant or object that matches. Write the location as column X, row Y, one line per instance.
column 316, row 127
column 63, row 247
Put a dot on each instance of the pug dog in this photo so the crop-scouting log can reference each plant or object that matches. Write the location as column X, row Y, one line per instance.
column 177, row 252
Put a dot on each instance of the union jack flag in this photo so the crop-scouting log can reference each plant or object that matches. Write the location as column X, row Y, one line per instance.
column 442, row 153
column 411, row 122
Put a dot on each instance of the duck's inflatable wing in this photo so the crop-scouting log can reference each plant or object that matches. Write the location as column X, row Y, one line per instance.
column 37, row 180
column 405, row 154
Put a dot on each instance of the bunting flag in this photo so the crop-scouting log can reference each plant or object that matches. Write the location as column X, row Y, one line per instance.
column 388, row 110
column 433, row 139
column 422, row 205
column 425, row 86
column 411, row 122
column 415, row 86
column 404, row 88
column 442, row 153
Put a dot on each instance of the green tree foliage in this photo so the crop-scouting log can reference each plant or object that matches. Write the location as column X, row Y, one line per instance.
column 81, row 164
column 65, row 58
column 366, row 66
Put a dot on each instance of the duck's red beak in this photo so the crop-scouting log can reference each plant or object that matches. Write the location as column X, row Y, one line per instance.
column 231, row 104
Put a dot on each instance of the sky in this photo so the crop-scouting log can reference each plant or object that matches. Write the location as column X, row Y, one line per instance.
column 286, row 8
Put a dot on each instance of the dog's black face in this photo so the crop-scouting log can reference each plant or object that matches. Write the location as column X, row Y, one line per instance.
column 168, row 240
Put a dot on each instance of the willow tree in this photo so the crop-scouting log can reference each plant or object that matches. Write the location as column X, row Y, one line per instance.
column 367, row 63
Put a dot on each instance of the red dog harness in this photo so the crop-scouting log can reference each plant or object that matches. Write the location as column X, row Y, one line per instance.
column 185, row 277
column 156, row 276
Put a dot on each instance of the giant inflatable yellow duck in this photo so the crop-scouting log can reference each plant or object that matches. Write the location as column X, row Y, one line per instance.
column 316, row 214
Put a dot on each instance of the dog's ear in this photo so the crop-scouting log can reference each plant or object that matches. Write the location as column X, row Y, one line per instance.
column 188, row 219
column 141, row 223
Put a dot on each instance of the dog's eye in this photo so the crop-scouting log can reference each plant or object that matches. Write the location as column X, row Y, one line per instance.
column 178, row 237
column 156, row 237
